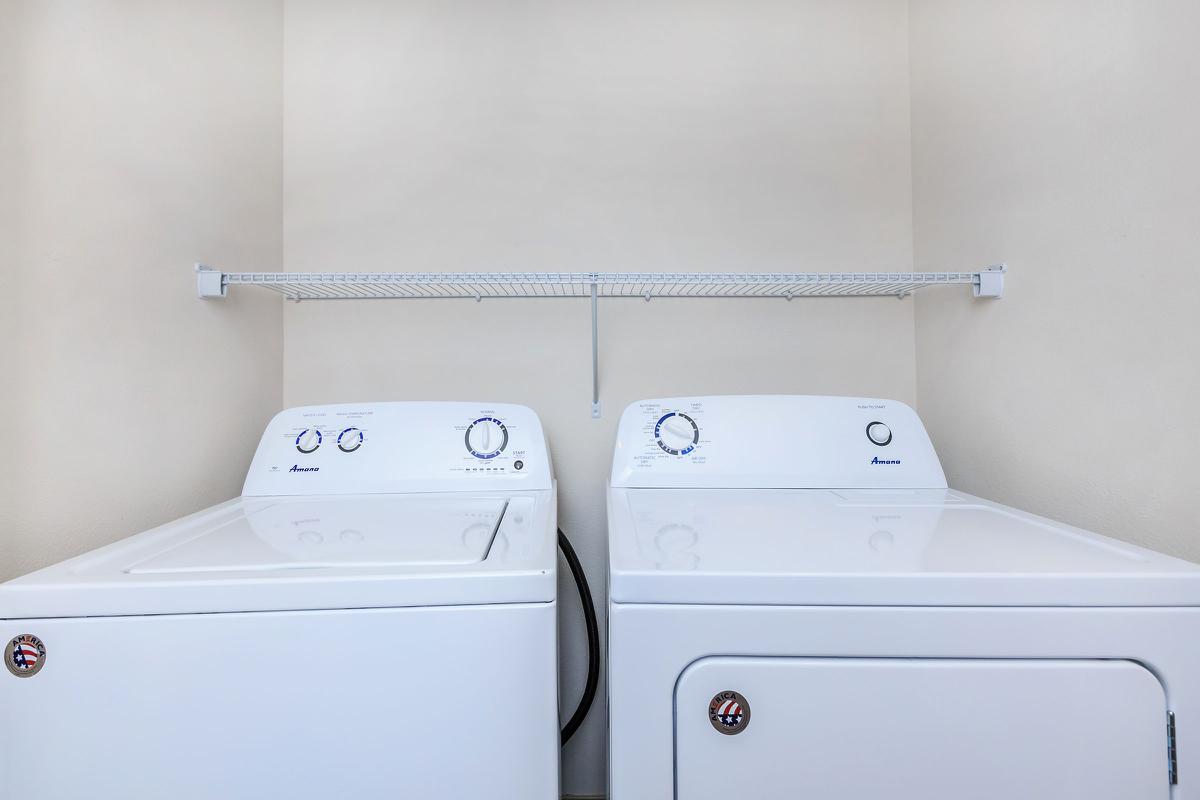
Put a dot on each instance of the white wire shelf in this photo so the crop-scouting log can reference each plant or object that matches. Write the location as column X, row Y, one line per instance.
column 480, row 286
column 647, row 285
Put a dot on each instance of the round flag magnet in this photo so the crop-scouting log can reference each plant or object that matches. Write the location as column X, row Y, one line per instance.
column 729, row 712
column 25, row 655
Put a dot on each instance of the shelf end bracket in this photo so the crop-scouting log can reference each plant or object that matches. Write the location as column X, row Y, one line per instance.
column 210, row 282
column 990, row 282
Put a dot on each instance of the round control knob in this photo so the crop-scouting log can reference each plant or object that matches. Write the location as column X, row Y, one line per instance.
column 308, row 440
column 879, row 433
column 676, row 433
column 486, row 437
column 350, row 440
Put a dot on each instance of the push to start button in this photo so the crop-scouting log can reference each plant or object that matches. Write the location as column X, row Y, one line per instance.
column 879, row 433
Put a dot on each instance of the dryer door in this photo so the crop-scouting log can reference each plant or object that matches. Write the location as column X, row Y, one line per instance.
column 919, row 729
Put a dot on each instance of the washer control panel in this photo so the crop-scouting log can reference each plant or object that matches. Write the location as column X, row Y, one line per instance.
column 400, row 447
column 774, row 442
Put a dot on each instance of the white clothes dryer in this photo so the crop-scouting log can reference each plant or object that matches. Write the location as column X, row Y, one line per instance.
column 799, row 607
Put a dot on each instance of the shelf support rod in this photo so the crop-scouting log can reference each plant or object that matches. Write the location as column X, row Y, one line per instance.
column 595, row 360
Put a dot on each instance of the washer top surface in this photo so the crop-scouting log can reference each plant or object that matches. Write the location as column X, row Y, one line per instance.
column 304, row 553
column 376, row 505
column 270, row 535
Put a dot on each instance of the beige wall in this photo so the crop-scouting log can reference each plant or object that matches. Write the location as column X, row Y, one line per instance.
column 135, row 138
column 544, row 135
column 1063, row 137
column 10, row 278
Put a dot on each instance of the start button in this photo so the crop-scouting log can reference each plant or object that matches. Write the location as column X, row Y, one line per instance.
column 879, row 433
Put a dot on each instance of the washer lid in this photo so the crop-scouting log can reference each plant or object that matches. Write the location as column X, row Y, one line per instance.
column 307, row 533
column 305, row 553
column 871, row 547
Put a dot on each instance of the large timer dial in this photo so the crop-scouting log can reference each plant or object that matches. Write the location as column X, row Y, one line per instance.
column 676, row 433
column 486, row 437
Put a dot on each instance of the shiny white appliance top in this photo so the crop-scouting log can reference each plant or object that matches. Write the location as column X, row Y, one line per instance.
column 847, row 543
column 445, row 516
column 335, row 531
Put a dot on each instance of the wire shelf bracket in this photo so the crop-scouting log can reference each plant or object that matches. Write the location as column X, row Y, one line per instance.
column 479, row 286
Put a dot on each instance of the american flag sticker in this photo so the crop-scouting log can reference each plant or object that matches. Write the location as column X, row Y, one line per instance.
column 729, row 712
column 25, row 655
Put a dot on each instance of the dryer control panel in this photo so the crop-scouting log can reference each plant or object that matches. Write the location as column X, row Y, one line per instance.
column 769, row 441
column 367, row 448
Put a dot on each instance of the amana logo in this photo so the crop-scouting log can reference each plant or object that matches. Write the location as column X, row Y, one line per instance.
column 298, row 468
column 884, row 461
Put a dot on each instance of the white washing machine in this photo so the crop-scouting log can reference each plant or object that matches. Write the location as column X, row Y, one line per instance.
column 373, row 618
column 800, row 608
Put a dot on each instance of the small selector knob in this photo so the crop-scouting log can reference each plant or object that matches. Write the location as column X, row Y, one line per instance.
column 879, row 433
column 350, row 440
column 308, row 440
